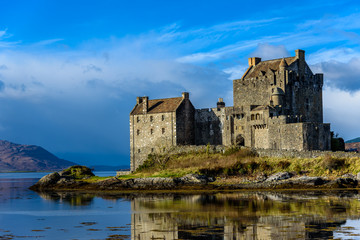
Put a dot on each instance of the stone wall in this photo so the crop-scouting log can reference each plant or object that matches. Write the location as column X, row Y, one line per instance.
column 303, row 154
column 185, row 117
column 150, row 133
column 208, row 127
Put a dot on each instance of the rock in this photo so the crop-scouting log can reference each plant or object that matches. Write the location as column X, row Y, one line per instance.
column 358, row 176
column 193, row 179
column 343, row 183
column 77, row 172
column 261, row 177
column 348, row 175
column 279, row 176
column 149, row 183
column 312, row 181
column 49, row 179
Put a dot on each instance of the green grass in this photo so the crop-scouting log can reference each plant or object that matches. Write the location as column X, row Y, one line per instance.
column 242, row 162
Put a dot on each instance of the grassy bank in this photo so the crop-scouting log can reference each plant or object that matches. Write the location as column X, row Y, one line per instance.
column 242, row 163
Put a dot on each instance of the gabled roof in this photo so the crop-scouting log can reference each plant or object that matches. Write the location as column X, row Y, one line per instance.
column 158, row 106
column 265, row 66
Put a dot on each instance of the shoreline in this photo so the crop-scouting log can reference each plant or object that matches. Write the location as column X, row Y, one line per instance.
column 190, row 183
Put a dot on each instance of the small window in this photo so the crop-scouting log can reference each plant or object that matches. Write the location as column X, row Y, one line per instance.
column 162, row 117
column 151, row 131
column 152, row 150
column 137, row 119
column 151, row 118
column 242, row 127
column 163, row 130
column 138, row 132
column 139, row 151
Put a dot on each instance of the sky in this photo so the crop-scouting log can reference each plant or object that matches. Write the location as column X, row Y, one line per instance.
column 70, row 71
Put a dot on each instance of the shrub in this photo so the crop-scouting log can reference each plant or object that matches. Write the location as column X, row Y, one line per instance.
column 148, row 163
column 332, row 163
column 231, row 150
column 252, row 166
column 264, row 166
column 284, row 164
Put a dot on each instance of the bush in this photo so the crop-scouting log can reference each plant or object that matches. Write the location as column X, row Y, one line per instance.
column 252, row 166
column 284, row 164
column 332, row 163
column 231, row 150
column 148, row 163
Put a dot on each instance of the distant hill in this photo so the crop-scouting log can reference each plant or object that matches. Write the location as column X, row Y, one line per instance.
column 353, row 140
column 17, row 157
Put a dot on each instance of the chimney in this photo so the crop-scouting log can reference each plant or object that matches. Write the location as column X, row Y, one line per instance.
column 220, row 103
column 185, row 95
column 145, row 101
column 138, row 100
column 254, row 61
column 300, row 54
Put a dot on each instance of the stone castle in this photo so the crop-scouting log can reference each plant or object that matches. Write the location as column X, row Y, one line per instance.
column 277, row 105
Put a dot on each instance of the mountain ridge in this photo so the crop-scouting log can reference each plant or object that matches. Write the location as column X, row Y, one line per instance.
column 353, row 140
column 18, row 157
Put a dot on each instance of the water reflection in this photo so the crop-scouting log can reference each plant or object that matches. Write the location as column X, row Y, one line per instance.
column 234, row 216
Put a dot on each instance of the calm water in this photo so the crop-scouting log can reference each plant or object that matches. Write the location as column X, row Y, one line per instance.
column 25, row 214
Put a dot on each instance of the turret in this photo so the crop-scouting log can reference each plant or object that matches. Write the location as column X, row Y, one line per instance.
column 277, row 97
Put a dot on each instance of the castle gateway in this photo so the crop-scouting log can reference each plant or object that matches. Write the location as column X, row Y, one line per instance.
column 277, row 105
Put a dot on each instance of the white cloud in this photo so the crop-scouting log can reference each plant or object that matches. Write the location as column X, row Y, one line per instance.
column 341, row 109
column 267, row 51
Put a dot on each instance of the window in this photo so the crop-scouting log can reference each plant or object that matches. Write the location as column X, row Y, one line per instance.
column 162, row 117
column 152, row 150
column 138, row 132
column 151, row 131
column 137, row 119
column 139, row 151
column 252, row 117
column 151, row 118
column 163, row 130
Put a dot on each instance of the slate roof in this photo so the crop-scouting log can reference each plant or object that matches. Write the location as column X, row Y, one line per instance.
column 158, row 106
column 266, row 66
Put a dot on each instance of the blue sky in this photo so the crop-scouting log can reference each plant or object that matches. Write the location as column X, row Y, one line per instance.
column 70, row 71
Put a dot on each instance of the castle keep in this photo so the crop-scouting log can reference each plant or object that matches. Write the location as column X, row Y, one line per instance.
column 277, row 105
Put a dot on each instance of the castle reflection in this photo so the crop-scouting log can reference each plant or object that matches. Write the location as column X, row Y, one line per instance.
column 232, row 216
column 242, row 216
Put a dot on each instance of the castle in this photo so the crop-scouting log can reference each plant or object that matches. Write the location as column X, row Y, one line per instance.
column 277, row 105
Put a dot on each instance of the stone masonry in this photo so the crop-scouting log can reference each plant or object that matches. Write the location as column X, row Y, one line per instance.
column 277, row 105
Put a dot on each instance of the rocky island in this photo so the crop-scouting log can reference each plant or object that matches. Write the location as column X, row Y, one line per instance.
column 234, row 169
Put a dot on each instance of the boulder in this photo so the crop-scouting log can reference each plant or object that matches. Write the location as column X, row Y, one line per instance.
column 279, row 176
column 49, row 179
column 311, row 181
column 343, row 183
column 190, row 179
column 348, row 175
